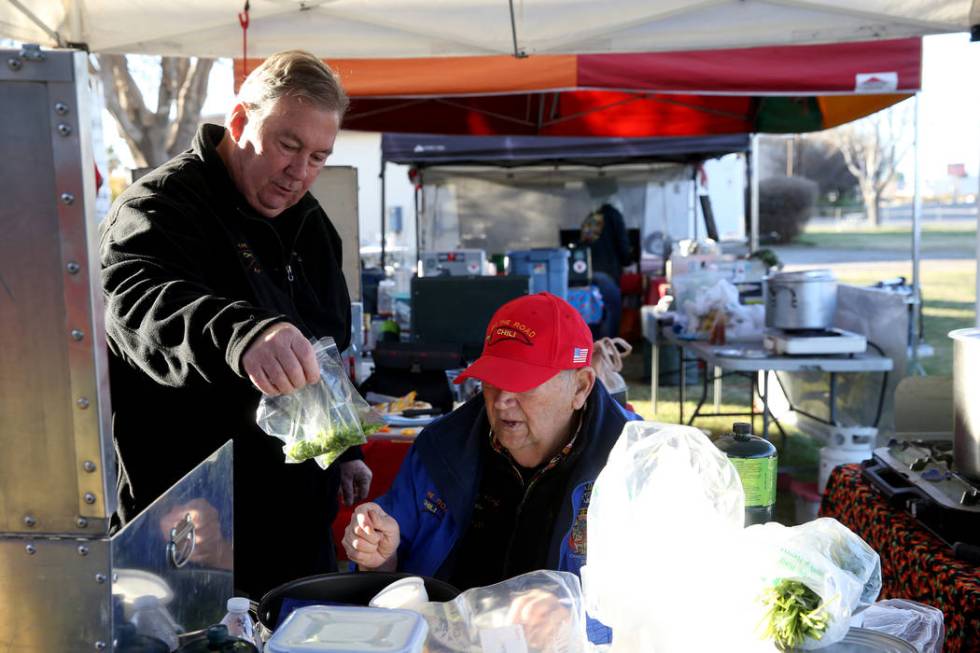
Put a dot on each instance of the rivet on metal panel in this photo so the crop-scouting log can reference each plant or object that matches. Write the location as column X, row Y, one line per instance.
column 82, row 403
column 61, row 108
column 73, row 267
column 77, row 334
column 82, row 550
column 100, row 645
column 64, row 129
column 14, row 63
column 100, row 579
column 81, row 522
column 31, row 549
column 67, row 198
column 88, row 466
column 89, row 498
column 29, row 521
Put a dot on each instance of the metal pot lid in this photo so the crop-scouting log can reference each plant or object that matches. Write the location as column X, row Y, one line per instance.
column 862, row 640
column 803, row 275
column 965, row 334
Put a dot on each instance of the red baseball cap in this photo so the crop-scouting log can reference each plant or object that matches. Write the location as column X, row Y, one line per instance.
column 529, row 340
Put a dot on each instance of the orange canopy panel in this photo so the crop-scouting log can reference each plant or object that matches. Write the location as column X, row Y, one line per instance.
column 767, row 89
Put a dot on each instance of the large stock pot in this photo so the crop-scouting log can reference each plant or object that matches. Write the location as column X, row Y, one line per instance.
column 800, row 300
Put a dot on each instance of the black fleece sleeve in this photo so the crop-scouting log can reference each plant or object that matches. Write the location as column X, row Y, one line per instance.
column 161, row 315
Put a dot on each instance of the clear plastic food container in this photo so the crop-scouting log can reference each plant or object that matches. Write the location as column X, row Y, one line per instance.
column 335, row 629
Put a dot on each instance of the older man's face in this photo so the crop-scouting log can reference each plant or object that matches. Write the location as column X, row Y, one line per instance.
column 536, row 424
column 279, row 155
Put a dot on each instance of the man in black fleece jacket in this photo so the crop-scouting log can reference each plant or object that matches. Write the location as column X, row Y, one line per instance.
column 218, row 267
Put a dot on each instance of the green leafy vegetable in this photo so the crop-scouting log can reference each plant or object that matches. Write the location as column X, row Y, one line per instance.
column 794, row 613
column 330, row 443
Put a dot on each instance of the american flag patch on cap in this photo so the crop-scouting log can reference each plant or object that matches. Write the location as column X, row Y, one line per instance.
column 579, row 355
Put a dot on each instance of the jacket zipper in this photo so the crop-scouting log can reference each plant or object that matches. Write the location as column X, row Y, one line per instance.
column 520, row 509
column 287, row 256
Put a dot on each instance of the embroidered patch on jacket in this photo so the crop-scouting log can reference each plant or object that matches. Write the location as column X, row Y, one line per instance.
column 248, row 258
column 578, row 537
column 435, row 505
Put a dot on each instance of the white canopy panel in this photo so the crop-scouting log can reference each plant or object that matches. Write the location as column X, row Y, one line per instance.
column 424, row 28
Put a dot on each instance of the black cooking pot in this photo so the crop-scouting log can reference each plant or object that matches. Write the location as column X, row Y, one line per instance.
column 344, row 588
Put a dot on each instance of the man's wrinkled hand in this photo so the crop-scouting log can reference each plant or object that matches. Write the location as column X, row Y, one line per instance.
column 371, row 539
column 281, row 360
column 355, row 481
column 543, row 617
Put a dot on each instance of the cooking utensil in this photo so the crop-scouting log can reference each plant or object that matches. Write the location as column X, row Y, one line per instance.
column 800, row 300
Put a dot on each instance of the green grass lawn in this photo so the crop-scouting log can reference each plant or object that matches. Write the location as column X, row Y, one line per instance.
column 942, row 237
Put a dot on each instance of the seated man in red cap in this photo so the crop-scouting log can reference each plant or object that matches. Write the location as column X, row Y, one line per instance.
column 501, row 486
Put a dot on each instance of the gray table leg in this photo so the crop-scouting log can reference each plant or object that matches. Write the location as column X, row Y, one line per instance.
column 683, row 389
column 716, row 390
column 765, row 405
column 654, row 377
column 833, row 398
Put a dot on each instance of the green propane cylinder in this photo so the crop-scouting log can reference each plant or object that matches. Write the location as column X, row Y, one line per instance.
column 754, row 459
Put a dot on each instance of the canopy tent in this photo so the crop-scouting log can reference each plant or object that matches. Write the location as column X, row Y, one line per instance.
column 783, row 89
column 437, row 28
column 527, row 188
column 423, row 150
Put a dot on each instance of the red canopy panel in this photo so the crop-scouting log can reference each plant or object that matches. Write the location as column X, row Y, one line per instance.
column 784, row 70
column 572, row 113
column 769, row 89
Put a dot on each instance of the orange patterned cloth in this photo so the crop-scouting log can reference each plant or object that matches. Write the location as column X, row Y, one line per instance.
column 915, row 565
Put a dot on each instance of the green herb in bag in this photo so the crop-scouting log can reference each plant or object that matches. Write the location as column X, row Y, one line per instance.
column 794, row 613
column 330, row 443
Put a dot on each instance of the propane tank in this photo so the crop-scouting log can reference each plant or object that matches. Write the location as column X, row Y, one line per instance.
column 754, row 459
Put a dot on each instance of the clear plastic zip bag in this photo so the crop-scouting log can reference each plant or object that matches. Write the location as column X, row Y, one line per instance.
column 320, row 420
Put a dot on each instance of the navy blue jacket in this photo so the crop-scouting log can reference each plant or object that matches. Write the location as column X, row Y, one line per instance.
column 432, row 497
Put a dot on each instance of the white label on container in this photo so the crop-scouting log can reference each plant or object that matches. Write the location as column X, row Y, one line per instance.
column 506, row 639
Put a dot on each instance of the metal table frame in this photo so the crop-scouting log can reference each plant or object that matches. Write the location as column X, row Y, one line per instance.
column 744, row 366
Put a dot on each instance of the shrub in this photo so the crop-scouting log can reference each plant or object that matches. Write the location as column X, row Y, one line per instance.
column 785, row 206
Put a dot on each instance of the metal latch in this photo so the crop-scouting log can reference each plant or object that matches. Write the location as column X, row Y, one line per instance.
column 32, row 52
column 182, row 541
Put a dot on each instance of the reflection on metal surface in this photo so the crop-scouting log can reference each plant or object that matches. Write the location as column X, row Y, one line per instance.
column 54, row 387
column 180, row 548
column 182, row 541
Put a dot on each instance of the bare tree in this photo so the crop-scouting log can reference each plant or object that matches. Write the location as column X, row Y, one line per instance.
column 872, row 149
column 154, row 136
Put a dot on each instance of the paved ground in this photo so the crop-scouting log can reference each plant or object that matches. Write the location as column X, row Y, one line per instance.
column 807, row 257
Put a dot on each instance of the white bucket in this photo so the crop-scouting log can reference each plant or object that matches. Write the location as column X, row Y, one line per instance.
column 832, row 457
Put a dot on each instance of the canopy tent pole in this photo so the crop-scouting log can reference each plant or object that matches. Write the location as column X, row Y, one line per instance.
column 384, row 222
column 754, row 194
column 53, row 35
column 916, row 247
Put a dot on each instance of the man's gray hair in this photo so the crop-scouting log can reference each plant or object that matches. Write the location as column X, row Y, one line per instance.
column 293, row 73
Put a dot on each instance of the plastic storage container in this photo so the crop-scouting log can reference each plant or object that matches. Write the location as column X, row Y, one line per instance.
column 547, row 268
column 755, row 461
column 334, row 629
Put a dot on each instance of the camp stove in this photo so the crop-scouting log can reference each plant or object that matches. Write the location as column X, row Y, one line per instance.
column 813, row 342
column 918, row 476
